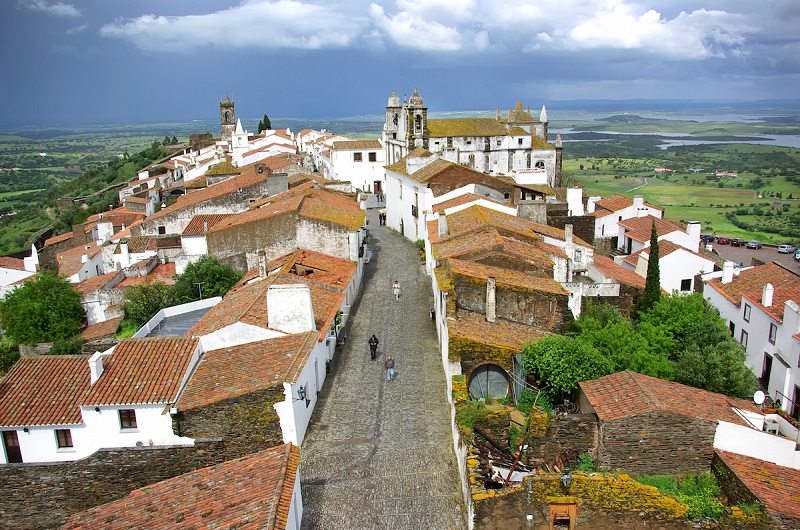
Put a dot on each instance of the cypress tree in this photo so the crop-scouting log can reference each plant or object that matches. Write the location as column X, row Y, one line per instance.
column 652, row 286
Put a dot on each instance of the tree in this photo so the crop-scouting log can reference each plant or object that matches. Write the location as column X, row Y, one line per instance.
column 214, row 278
column 560, row 362
column 166, row 141
column 142, row 302
column 652, row 285
column 718, row 368
column 174, row 140
column 264, row 124
column 46, row 309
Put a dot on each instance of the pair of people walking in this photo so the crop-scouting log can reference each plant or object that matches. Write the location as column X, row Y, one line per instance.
column 373, row 352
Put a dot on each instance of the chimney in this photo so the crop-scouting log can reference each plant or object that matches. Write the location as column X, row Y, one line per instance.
column 638, row 206
column 693, row 229
column 727, row 272
column 568, row 234
column 84, row 258
column 590, row 207
column 443, row 230
column 95, row 367
column 262, row 264
column 289, row 308
column 205, row 226
column 491, row 300
column 123, row 250
column 766, row 295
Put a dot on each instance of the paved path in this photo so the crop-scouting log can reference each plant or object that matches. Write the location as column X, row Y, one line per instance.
column 379, row 454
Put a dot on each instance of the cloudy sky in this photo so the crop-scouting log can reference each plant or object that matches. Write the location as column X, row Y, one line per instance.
column 99, row 61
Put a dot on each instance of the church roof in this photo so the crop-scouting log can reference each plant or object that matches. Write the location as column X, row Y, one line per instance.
column 443, row 128
column 518, row 115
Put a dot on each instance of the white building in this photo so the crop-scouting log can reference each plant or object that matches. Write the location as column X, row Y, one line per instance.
column 610, row 211
column 359, row 162
column 496, row 146
column 634, row 234
column 677, row 266
column 14, row 271
column 763, row 312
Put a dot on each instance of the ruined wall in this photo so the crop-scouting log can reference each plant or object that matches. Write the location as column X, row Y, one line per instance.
column 247, row 423
column 582, row 225
column 44, row 495
column 656, row 443
column 325, row 237
column 275, row 235
column 532, row 308
column 569, row 432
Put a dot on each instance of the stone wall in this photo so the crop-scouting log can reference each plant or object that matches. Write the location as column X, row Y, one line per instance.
column 656, row 443
column 248, row 423
column 582, row 225
column 733, row 488
column 605, row 245
column 44, row 495
column 276, row 235
column 577, row 433
column 532, row 308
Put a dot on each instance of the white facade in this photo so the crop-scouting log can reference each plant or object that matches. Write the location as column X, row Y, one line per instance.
column 678, row 269
column 688, row 239
column 772, row 346
column 606, row 226
column 361, row 166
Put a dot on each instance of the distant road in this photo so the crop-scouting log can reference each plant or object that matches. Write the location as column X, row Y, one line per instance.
column 637, row 187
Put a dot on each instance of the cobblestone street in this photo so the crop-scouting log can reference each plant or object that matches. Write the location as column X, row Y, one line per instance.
column 379, row 454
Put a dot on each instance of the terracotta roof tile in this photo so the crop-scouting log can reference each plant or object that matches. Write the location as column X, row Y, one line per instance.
column 357, row 144
column 138, row 244
column 501, row 333
column 254, row 491
column 776, row 487
column 7, row 262
column 101, row 329
column 627, row 394
column 639, row 228
column 163, row 272
column 665, row 248
column 246, row 179
column 197, row 225
column 223, row 168
column 231, row 372
column 104, row 281
column 425, row 173
column 750, row 283
column 143, row 371
column 70, row 261
column 610, row 269
column 506, row 277
column 44, row 390
column 466, row 198
column 58, row 239
column 615, row 202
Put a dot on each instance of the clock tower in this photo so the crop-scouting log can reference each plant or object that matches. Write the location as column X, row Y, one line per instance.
column 227, row 118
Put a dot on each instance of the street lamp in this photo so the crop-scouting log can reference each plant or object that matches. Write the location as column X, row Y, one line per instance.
column 566, row 479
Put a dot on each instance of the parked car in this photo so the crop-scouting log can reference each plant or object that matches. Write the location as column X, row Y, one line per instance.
column 797, row 255
column 707, row 238
column 722, row 240
column 737, row 242
column 755, row 243
column 785, row 249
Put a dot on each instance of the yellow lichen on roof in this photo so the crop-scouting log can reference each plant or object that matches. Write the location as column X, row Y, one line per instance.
column 466, row 127
column 223, row 168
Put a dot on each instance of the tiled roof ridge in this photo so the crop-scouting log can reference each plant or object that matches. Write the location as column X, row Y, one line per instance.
column 308, row 343
column 654, row 401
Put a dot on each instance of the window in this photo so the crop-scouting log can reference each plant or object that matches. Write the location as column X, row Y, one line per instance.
column 746, row 312
column 773, row 333
column 519, row 142
column 686, row 285
column 499, row 142
column 449, row 142
column 732, row 327
column 373, row 157
column 540, row 164
column 469, row 142
column 356, row 157
column 162, row 230
column 63, row 438
column 127, row 419
column 744, row 338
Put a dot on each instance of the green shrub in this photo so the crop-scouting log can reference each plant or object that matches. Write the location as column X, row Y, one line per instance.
column 699, row 492
column 750, row 508
column 527, row 398
column 585, row 463
column 469, row 412
column 67, row 346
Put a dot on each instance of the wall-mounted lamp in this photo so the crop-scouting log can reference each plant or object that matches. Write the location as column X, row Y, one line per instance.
column 301, row 392
column 566, row 479
column 97, row 409
column 25, row 429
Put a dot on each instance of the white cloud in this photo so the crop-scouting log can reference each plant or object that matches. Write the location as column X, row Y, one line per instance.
column 77, row 29
column 269, row 24
column 410, row 31
column 58, row 9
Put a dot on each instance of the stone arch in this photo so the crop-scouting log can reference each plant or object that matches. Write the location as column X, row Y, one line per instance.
column 489, row 381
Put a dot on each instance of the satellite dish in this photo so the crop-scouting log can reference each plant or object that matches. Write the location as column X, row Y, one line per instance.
column 759, row 397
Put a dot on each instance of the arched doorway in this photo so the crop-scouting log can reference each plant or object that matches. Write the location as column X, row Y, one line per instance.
column 488, row 381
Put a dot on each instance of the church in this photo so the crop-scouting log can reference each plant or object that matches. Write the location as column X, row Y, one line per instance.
column 514, row 145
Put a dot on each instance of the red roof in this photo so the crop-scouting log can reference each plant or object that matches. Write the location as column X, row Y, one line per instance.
column 104, row 281
column 639, row 228
column 238, row 370
column 71, row 261
column 163, row 272
column 750, row 283
column 101, row 329
column 501, row 333
column 44, row 390
column 57, row 239
column 665, row 248
column 254, row 491
column 776, row 487
column 7, row 262
column 197, row 226
column 612, row 269
column 142, row 371
column 627, row 394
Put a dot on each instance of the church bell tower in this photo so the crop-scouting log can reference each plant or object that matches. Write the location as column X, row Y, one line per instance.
column 227, row 118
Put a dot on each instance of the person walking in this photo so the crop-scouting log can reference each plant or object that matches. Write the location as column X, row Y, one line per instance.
column 389, row 368
column 396, row 290
column 373, row 346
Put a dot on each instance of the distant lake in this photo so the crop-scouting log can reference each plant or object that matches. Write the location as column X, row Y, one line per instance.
column 781, row 140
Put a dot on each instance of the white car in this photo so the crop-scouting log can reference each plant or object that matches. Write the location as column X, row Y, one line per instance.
column 785, row 249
